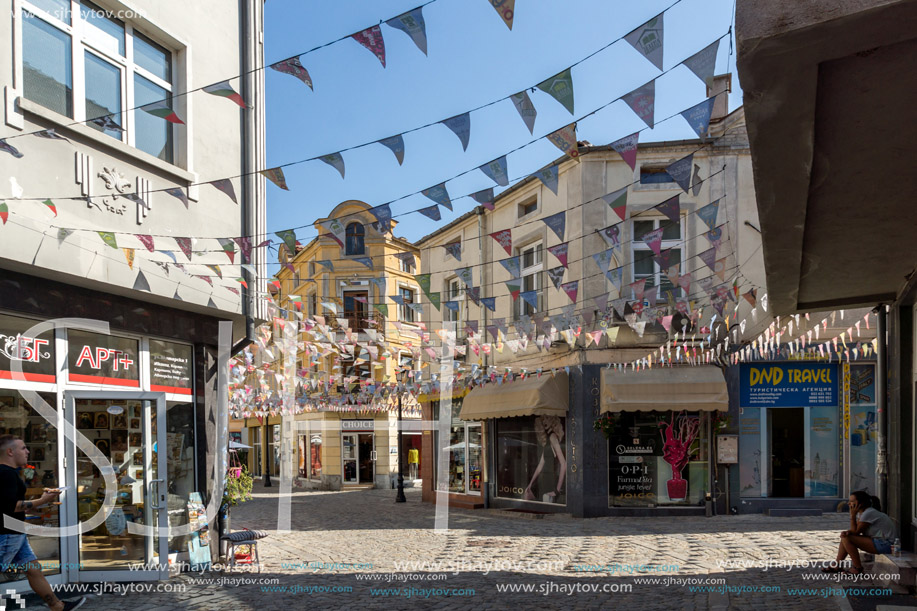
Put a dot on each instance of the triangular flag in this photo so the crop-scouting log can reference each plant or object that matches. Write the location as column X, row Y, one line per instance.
column 464, row 274
column 454, row 249
column 708, row 214
column 295, row 68
column 108, row 238
column 461, row 127
column 225, row 185
column 525, row 108
column 371, row 38
column 179, row 193
column 616, row 276
column 216, row 269
column 485, row 197
column 158, row 109
column 367, row 261
column 62, row 234
column 611, row 235
column 698, row 117
column 548, row 176
column 514, row 286
column 715, row 236
column 107, row 123
column 185, row 245
column 326, row 263
column 396, row 145
column 627, row 149
column 512, row 265
column 556, row 275
column 439, row 194
column 642, row 101
column 560, row 251
column 490, row 303
column 50, row 134
column 50, row 206
column 289, row 239
column 671, row 209
column 229, row 248
column 245, row 245
column 531, row 298
column 506, row 9
column 680, row 171
column 557, row 223
column 648, row 38
column 496, row 171
column 505, row 239
column 224, row 89
column 703, row 63
column 381, row 307
column 696, row 181
column 653, row 239
column 141, row 283
column 147, row 241
column 275, row 175
column 412, row 24
column 560, row 87
column 752, row 297
column 383, row 215
column 565, row 140
column 603, row 259
column 431, row 212
column 617, row 201
column 129, row 255
column 709, row 258
column 571, row 289
column 451, row 305
column 335, row 161
column 638, row 288
column 434, row 299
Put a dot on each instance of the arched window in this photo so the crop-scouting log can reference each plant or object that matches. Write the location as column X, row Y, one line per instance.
column 354, row 236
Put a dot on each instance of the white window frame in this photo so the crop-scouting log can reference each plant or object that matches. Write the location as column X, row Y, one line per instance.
column 80, row 43
column 406, row 314
column 449, row 295
column 532, row 271
column 525, row 202
column 639, row 248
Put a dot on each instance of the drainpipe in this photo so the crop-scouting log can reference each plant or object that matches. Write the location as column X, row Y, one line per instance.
column 882, row 407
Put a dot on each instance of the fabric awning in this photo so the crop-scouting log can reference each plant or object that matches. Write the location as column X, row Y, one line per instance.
column 534, row 396
column 665, row 389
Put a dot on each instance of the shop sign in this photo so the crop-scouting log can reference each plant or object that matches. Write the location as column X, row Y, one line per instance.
column 170, row 367
column 788, row 384
column 102, row 359
column 356, row 425
column 632, row 465
column 34, row 355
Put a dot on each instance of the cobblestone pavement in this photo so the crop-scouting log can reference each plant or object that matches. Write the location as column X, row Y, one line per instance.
column 354, row 549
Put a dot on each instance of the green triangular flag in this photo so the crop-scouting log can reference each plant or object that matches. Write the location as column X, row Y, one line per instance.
column 109, row 238
column 383, row 308
column 289, row 238
column 560, row 87
column 424, row 281
column 434, row 299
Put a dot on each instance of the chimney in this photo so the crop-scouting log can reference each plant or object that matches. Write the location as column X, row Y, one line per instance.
column 721, row 86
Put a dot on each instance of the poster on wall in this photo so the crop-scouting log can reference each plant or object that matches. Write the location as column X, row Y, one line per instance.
column 788, row 384
column 35, row 356
column 750, row 452
column 170, row 367
column 199, row 544
column 531, row 459
column 102, row 359
column 822, row 472
column 863, row 428
column 634, row 454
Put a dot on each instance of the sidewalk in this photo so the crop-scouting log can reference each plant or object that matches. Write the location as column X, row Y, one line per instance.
column 361, row 550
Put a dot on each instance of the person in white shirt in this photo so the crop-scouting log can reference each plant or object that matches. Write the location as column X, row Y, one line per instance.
column 870, row 530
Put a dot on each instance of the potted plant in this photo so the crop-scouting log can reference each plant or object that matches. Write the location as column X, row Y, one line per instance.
column 236, row 490
column 678, row 437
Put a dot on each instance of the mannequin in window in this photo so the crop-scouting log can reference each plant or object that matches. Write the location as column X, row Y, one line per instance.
column 550, row 432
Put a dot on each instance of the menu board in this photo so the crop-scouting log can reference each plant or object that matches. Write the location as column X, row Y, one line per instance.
column 170, row 367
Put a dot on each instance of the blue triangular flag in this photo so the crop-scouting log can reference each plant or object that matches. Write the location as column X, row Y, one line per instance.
column 680, row 171
column 548, row 176
column 490, row 303
column 461, row 126
column 439, row 194
column 496, row 171
column 396, row 145
column 557, row 223
column 431, row 212
column 412, row 24
column 452, row 305
column 512, row 265
column 698, row 117
column 383, row 214
column 531, row 298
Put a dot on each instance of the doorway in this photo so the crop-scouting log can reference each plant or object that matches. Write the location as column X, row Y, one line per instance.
column 786, row 432
column 359, row 458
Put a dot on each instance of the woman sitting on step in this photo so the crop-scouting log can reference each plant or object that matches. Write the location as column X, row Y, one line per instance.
column 870, row 530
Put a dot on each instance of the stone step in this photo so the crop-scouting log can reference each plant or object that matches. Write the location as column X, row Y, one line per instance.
column 905, row 566
column 793, row 513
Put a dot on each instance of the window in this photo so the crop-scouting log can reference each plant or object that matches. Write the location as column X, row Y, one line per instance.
column 654, row 175
column 296, row 280
column 313, row 304
column 406, row 265
column 463, row 453
column 529, row 206
column 531, row 463
column 531, row 263
column 121, row 70
column 644, row 264
column 406, row 314
column 311, row 268
column 355, row 310
column 452, row 293
column 354, row 239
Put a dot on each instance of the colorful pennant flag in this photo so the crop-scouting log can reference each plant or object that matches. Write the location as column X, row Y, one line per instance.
column 383, row 214
column 439, row 194
column 549, row 177
column 525, row 108
column 465, row 275
column 431, row 212
column 295, row 68
column 571, row 289
column 50, row 206
column 147, row 241
column 490, row 303
column 461, row 127
column 560, row 251
column 396, row 145
column 626, row 147
column 653, row 239
column 216, row 269
column 225, row 90
column 617, row 201
column 709, row 258
column 412, row 24
column 680, row 171
column 648, row 39
column 289, row 239
column 671, row 209
column 506, row 10
column 703, row 63
column 709, row 213
column 556, row 275
column 109, row 239
column 225, row 185
column 454, row 249
column 245, row 245
column 531, row 298
column 229, row 248
column 496, row 171
column 611, row 235
column 434, row 299
column 157, row 109
column 50, row 134
column 512, row 265
column 141, row 283
column 565, row 140
column 275, row 175
column 560, row 87
column 485, row 197
column 642, row 101
column 371, row 38
column 9, row 148
column 62, row 234
column 184, row 244
column 505, row 239
column 557, row 223
column 616, row 276
column 336, row 161
column 178, row 193
column 698, row 117
column 5, row 215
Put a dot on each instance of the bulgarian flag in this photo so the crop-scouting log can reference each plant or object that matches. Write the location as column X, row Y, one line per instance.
column 225, row 90
column 4, row 213
column 50, row 206
column 161, row 109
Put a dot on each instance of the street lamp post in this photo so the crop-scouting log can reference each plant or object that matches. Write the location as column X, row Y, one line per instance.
column 400, row 498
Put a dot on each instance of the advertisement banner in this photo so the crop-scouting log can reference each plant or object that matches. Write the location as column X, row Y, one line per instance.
column 531, row 459
column 788, row 384
column 103, row 359
column 170, row 367
column 36, row 356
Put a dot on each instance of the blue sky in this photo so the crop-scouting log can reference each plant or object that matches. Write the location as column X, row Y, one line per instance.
column 473, row 59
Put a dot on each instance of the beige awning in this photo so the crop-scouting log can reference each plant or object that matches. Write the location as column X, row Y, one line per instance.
column 534, row 396
column 664, row 389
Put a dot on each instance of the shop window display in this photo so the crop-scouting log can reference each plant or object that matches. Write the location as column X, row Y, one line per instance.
column 531, row 458
column 464, row 453
column 18, row 418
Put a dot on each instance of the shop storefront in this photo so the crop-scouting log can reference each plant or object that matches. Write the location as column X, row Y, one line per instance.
column 137, row 398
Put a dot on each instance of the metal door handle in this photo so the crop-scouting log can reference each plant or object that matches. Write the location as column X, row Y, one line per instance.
column 154, row 498
column 374, row 455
